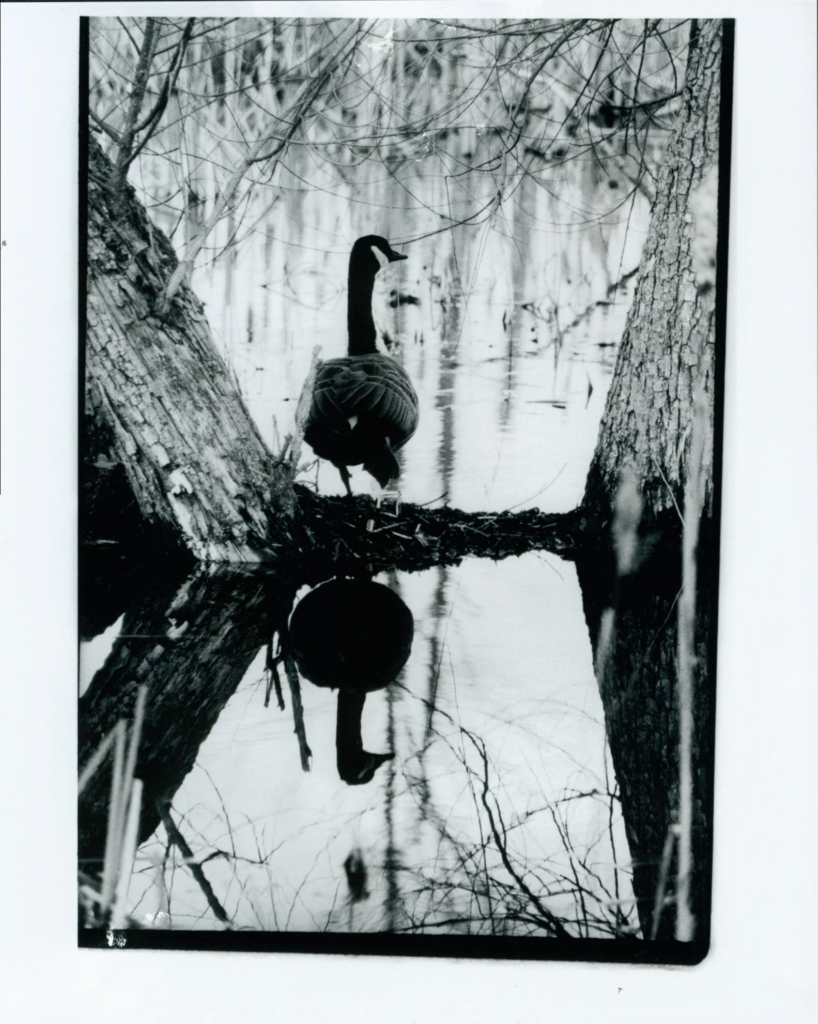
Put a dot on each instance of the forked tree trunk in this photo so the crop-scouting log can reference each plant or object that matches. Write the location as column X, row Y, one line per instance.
column 162, row 409
column 667, row 351
column 158, row 398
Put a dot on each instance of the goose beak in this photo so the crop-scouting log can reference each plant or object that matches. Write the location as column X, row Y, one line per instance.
column 395, row 256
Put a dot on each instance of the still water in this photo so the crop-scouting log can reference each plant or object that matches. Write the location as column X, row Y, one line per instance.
column 495, row 723
column 498, row 813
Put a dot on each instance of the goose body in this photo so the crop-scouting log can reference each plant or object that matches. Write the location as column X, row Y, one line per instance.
column 364, row 407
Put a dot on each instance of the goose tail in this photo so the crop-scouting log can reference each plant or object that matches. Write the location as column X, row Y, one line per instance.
column 384, row 466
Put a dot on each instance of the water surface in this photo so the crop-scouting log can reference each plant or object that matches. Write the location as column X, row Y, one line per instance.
column 499, row 812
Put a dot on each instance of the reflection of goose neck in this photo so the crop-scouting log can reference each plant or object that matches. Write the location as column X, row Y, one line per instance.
column 348, row 724
column 355, row 765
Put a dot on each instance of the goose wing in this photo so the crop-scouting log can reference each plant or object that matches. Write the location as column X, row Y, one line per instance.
column 375, row 385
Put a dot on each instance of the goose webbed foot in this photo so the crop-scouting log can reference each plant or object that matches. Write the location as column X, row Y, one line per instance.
column 387, row 495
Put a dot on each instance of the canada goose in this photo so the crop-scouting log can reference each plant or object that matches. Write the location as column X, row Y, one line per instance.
column 364, row 407
column 354, row 635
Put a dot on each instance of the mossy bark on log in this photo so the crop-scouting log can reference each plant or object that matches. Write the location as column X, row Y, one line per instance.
column 668, row 347
column 159, row 392
column 336, row 536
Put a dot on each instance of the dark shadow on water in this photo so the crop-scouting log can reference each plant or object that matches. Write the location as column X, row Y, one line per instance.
column 191, row 639
column 354, row 636
column 638, row 682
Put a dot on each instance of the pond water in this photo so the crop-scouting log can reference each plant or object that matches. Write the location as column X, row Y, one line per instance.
column 495, row 723
column 499, row 809
column 508, row 328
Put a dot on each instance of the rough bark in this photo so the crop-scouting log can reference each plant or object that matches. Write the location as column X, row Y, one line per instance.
column 159, row 394
column 667, row 350
column 169, row 443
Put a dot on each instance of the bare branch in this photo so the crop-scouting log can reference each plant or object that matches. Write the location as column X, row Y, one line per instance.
column 256, row 154
column 124, row 156
column 151, row 122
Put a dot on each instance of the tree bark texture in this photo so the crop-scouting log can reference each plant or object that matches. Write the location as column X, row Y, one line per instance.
column 157, row 390
column 667, row 351
column 168, row 441
column 190, row 644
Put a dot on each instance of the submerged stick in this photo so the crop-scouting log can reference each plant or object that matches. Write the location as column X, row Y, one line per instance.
column 190, row 861
column 298, row 711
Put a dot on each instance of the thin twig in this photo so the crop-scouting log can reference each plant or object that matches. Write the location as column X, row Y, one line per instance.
column 255, row 154
column 190, row 861
column 124, row 156
column 151, row 122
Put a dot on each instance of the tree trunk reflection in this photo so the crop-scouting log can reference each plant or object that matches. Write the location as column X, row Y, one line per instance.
column 637, row 676
column 190, row 644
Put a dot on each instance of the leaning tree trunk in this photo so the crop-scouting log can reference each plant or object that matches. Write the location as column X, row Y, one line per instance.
column 667, row 352
column 168, row 441
column 158, row 400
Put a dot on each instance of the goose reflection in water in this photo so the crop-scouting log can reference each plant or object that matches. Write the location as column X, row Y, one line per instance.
column 354, row 636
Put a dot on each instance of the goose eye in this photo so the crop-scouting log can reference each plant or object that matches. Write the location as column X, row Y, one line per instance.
column 379, row 256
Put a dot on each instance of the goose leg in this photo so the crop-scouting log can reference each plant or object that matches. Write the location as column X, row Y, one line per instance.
column 345, row 477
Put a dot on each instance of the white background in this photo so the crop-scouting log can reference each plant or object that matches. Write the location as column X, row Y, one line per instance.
column 762, row 964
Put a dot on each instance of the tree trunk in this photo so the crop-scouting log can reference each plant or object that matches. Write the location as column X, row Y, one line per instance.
column 158, row 399
column 667, row 351
column 168, row 441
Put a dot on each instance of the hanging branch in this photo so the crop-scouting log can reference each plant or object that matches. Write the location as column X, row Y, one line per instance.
column 256, row 154
column 151, row 122
column 127, row 137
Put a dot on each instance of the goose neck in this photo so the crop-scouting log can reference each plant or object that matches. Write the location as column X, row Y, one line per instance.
column 360, row 324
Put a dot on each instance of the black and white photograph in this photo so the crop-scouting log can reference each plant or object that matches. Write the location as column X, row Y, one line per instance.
column 400, row 456
column 408, row 416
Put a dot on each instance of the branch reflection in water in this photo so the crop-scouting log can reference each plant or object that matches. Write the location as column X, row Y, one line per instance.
column 492, row 807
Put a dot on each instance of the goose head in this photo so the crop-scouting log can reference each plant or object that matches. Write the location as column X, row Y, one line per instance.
column 372, row 252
